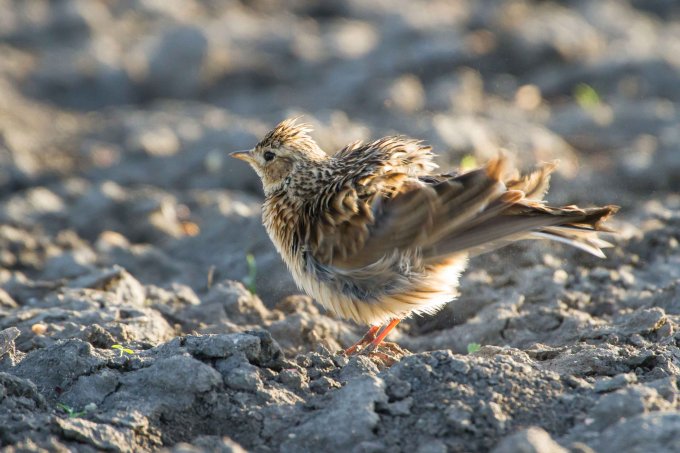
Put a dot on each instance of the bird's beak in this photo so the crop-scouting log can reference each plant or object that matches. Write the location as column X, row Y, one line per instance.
column 246, row 155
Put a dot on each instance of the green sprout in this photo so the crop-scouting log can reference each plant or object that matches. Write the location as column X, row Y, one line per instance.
column 468, row 162
column 249, row 280
column 122, row 349
column 473, row 347
column 72, row 413
column 586, row 96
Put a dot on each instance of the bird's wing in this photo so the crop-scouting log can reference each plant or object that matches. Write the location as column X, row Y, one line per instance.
column 366, row 220
column 395, row 154
column 351, row 213
column 374, row 215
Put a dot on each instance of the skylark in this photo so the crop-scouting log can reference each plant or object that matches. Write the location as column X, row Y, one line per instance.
column 375, row 234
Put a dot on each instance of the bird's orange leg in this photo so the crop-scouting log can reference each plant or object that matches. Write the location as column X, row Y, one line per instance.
column 369, row 336
column 377, row 340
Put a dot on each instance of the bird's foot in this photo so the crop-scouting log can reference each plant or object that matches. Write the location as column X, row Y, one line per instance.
column 372, row 340
column 367, row 339
column 385, row 354
column 392, row 348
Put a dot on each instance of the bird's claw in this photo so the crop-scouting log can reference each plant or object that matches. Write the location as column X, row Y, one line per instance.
column 386, row 353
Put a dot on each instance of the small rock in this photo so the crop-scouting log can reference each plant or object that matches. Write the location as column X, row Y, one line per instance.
column 172, row 383
column 340, row 360
column 531, row 440
column 99, row 337
column 351, row 408
column 401, row 407
column 271, row 354
column 245, row 378
column 304, row 361
column 160, row 141
column 100, row 436
column 225, row 345
column 610, row 384
column 6, row 300
column 667, row 388
column 90, row 407
column 229, row 301
column 460, row 366
column 580, row 447
column 644, row 321
column 658, row 431
column 495, row 415
column 560, row 276
column 214, row 444
column 459, row 416
column 7, row 338
column 70, row 264
column 397, row 388
column 91, row 390
column 39, row 329
column 323, row 385
column 626, row 403
column 292, row 378
column 56, row 367
column 322, row 360
column 116, row 280
column 358, row 365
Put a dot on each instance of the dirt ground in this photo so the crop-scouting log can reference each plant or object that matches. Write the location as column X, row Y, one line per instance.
column 126, row 233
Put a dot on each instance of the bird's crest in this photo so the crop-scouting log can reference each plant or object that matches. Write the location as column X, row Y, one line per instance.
column 288, row 132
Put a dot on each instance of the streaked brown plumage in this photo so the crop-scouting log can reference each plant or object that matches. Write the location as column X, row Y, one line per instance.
column 375, row 235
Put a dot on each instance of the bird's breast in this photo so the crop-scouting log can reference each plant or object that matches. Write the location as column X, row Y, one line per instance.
column 281, row 218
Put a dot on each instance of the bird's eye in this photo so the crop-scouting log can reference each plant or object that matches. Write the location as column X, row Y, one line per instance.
column 268, row 155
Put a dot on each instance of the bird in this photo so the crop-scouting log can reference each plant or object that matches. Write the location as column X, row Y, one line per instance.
column 376, row 234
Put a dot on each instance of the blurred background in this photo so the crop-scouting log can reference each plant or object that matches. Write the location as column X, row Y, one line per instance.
column 116, row 117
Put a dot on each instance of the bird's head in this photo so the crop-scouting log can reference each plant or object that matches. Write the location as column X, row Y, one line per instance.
column 284, row 149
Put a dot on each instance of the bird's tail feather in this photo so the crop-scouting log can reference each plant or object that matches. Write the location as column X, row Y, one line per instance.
column 515, row 213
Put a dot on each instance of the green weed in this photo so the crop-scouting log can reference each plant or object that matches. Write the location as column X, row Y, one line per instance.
column 122, row 349
column 586, row 96
column 72, row 413
column 473, row 347
column 468, row 162
column 249, row 280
